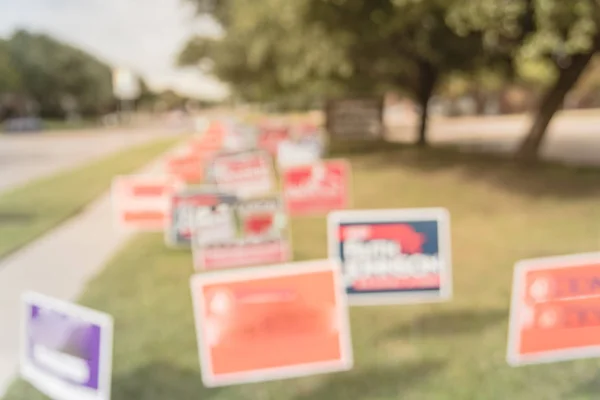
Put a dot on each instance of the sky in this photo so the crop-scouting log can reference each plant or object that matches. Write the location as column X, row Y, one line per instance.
column 142, row 35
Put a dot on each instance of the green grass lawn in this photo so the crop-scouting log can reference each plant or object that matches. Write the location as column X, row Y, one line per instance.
column 500, row 213
column 29, row 211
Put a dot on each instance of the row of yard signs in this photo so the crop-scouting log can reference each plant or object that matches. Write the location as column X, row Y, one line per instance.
column 260, row 316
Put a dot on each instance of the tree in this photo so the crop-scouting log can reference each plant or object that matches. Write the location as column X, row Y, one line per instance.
column 171, row 100
column 147, row 98
column 10, row 82
column 267, row 56
column 564, row 34
column 326, row 47
column 56, row 75
column 10, row 79
column 586, row 92
column 402, row 44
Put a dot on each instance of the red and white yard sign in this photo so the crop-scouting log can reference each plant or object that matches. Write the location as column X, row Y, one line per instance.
column 189, row 167
column 555, row 310
column 271, row 136
column 245, row 174
column 252, row 232
column 317, row 188
column 242, row 254
column 141, row 202
column 274, row 322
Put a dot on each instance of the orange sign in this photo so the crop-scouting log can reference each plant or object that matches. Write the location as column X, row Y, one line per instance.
column 188, row 168
column 555, row 310
column 274, row 322
column 141, row 202
column 214, row 136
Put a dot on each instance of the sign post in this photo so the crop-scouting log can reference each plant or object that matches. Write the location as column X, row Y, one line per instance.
column 126, row 88
column 355, row 118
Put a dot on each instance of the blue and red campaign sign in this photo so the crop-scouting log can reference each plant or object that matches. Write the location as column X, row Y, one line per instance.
column 392, row 256
column 186, row 204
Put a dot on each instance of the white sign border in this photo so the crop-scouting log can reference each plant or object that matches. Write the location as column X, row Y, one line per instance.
column 286, row 240
column 545, row 263
column 441, row 215
column 244, row 193
column 188, row 191
column 115, row 200
column 46, row 384
column 346, row 362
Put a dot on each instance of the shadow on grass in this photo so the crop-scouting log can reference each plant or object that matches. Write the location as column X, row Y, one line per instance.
column 447, row 323
column 15, row 217
column 160, row 381
column 588, row 389
column 540, row 179
column 344, row 148
column 378, row 382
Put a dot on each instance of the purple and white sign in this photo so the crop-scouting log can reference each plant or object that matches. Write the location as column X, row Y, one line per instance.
column 66, row 349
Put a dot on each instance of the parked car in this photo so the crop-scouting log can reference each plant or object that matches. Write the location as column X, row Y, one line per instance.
column 24, row 124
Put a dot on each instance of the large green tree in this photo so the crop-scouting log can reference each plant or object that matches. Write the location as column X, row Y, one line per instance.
column 274, row 48
column 10, row 79
column 562, row 34
column 267, row 54
column 402, row 44
column 59, row 76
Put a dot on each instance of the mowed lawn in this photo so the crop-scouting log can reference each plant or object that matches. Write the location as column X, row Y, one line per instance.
column 500, row 214
column 29, row 211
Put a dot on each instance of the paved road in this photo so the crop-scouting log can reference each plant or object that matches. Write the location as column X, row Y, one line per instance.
column 24, row 157
column 571, row 139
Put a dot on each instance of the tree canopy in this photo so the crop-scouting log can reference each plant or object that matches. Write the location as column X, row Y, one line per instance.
column 273, row 49
column 10, row 79
column 564, row 35
column 267, row 56
column 59, row 76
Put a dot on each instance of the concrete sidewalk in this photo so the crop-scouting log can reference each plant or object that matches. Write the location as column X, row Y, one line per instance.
column 59, row 264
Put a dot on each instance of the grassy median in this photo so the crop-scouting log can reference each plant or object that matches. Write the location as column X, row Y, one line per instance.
column 29, row 211
column 500, row 213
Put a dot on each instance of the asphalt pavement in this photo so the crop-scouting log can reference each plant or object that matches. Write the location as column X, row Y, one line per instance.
column 25, row 157
column 573, row 139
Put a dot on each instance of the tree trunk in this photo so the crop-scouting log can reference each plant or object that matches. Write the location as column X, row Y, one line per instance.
column 550, row 104
column 427, row 81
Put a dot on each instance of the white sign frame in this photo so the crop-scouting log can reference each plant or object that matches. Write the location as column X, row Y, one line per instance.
column 198, row 281
column 518, row 288
column 441, row 215
column 47, row 384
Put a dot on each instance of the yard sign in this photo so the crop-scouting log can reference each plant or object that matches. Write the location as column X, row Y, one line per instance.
column 273, row 322
column 66, row 349
column 141, row 202
column 249, row 232
column 317, row 188
column 555, row 309
column 392, row 256
column 245, row 174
